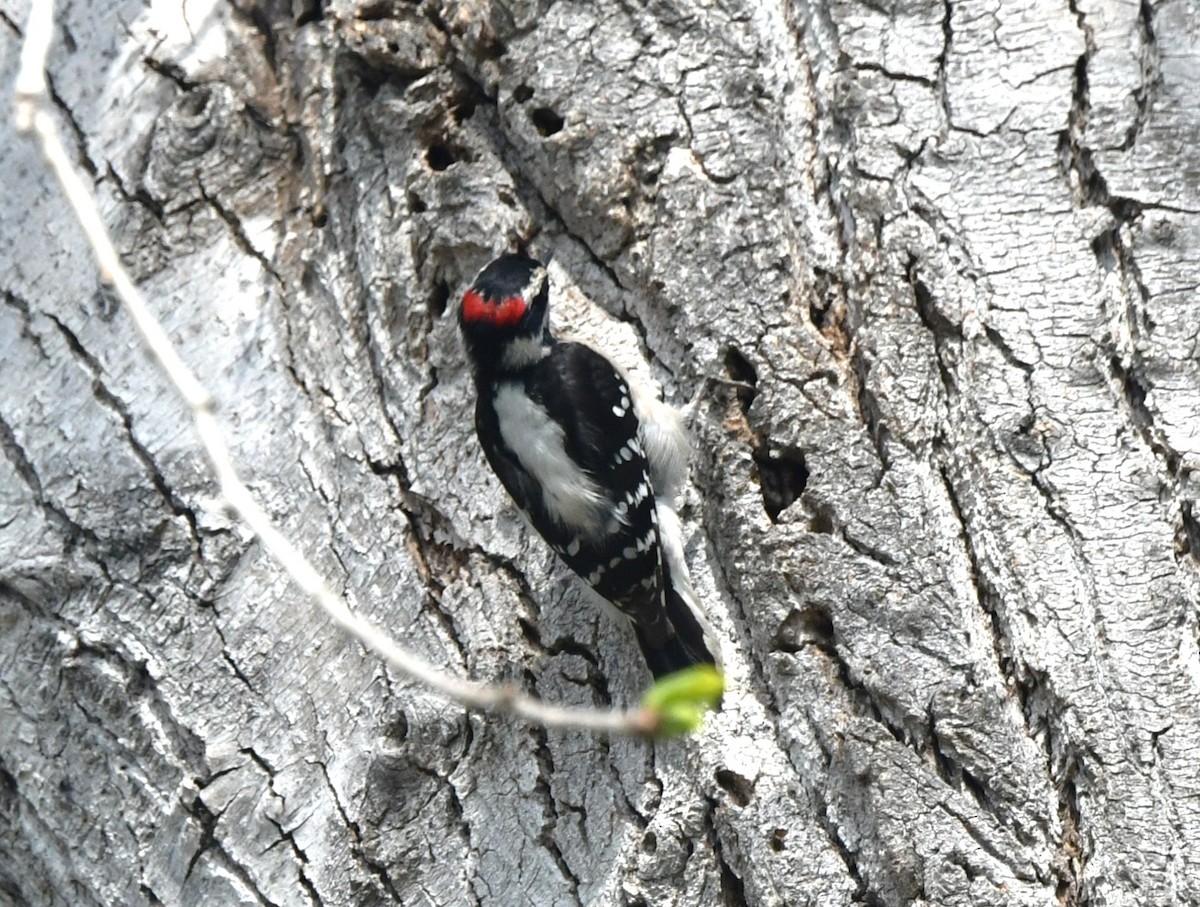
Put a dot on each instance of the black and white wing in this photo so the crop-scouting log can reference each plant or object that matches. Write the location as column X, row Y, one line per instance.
column 565, row 440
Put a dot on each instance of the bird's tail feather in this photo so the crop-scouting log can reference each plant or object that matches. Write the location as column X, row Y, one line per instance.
column 685, row 637
column 681, row 644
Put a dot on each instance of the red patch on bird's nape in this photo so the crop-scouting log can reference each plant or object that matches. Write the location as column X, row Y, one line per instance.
column 504, row 313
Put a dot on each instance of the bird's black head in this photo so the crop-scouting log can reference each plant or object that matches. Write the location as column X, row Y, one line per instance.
column 503, row 314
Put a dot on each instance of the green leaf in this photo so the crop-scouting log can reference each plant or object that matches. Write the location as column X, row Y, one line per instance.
column 679, row 701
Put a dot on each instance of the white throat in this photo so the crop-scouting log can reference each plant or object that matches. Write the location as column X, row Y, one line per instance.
column 522, row 352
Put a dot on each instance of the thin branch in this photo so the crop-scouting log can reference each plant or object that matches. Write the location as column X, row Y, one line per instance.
column 34, row 114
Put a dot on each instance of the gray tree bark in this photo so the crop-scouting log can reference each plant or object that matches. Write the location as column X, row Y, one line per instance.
column 947, row 533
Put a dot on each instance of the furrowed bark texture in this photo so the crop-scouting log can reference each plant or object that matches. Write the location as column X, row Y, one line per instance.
column 947, row 531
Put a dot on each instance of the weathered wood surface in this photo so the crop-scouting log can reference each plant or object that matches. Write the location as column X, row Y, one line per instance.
column 949, row 538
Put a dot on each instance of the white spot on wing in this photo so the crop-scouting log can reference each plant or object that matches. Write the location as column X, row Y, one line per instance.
column 648, row 542
column 640, row 493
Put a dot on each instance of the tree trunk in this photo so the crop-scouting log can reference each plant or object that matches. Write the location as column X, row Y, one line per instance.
column 945, row 527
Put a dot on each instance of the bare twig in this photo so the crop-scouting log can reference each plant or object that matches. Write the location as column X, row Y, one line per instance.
column 34, row 115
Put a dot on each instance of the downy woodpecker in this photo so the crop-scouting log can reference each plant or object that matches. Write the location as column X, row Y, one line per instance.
column 592, row 460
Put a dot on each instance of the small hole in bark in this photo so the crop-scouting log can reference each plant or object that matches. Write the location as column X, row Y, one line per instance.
column 397, row 729
column 650, row 842
column 976, row 787
column 789, row 635
column 733, row 889
column 822, row 522
column 464, row 110
column 193, row 103
column 531, row 634
column 546, row 121
column 439, row 157
column 738, row 368
column 493, row 49
column 1105, row 250
column 309, row 12
column 782, row 475
column 801, row 627
column 820, row 624
column 1188, row 537
column 522, row 93
column 416, row 204
column 440, row 299
column 320, row 217
column 740, row 790
column 777, row 841
column 371, row 12
column 817, row 315
column 827, row 309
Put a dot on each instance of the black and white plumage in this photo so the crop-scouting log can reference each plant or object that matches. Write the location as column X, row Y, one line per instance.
column 590, row 458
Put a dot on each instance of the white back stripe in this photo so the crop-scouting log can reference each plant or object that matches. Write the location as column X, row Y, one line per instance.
column 571, row 496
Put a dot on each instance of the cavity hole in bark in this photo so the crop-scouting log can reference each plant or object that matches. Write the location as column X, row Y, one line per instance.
column 733, row 889
column 975, row 786
column 1189, row 537
column 310, row 12
column 740, row 789
column 371, row 12
column 493, row 49
column 522, row 93
column 822, row 522
column 1104, row 247
column 8, row 787
column 782, row 476
column 808, row 626
column 440, row 299
column 739, row 368
column 650, row 842
column 546, row 121
column 193, row 103
column 416, row 204
column 822, row 300
column 397, row 728
column 439, row 157
column 777, row 840
column 464, row 110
